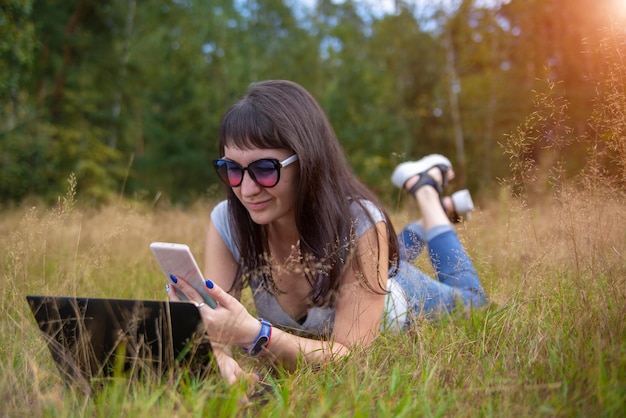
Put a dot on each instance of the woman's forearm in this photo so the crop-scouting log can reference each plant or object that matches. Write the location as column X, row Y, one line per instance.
column 287, row 349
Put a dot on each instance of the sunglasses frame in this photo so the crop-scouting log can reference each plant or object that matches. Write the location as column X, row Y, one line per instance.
column 277, row 166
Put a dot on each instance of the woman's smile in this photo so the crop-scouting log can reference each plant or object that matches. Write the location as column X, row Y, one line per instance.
column 257, row 206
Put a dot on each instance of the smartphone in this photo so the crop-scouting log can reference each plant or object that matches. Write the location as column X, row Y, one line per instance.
column 177, row 259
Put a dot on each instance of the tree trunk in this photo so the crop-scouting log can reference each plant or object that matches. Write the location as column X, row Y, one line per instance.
column 454, row 90
column 119, row 85
column 59, row 85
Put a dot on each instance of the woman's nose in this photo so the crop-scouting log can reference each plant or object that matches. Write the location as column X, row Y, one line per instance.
column 248, row 186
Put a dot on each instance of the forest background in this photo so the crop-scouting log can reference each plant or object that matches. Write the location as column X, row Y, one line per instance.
column 126, row 95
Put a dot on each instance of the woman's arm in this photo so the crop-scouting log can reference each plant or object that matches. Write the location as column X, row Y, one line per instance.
column 359, row 309
column 357, row 318
column 362, row 300
column 219, row 264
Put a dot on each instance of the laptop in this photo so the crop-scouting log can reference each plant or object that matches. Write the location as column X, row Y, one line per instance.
column 91, row 339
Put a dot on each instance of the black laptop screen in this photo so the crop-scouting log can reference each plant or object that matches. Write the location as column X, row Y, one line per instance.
column 90, row 337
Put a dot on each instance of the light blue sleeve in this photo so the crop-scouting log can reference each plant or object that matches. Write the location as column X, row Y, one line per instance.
column 219, row 217
column 362, row 222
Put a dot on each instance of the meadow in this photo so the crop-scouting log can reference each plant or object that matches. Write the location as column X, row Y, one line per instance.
column 550, row 248
column 552, row 342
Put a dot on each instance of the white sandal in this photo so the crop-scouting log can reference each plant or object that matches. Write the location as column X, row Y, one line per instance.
column 409, row 169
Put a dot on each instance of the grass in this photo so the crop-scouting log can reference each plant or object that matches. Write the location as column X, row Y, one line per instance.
column 553, row 341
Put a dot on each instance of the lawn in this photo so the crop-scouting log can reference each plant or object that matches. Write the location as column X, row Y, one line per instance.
column 552, row 342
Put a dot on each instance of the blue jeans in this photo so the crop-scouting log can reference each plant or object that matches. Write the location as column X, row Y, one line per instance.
column 457, row 279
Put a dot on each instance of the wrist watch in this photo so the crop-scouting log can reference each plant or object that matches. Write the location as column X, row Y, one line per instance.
column 263, row 339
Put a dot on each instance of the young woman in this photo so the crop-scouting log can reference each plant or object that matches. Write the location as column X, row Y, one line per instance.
column 316, row 247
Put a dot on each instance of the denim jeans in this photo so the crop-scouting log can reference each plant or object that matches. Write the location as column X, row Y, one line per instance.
column 457, row 279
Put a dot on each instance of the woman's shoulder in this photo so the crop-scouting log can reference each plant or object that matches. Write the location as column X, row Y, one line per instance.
column 221, row 222
column 220, row 217
column 365, row 214
column 220, row 211
column 367, row 208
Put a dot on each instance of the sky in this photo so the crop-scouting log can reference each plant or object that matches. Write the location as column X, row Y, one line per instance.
column 381, row 7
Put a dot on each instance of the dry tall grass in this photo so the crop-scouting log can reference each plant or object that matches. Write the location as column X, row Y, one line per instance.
column 555, row 271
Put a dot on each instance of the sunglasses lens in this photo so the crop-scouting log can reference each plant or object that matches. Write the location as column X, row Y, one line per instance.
column 265, row 172
column 229, row 172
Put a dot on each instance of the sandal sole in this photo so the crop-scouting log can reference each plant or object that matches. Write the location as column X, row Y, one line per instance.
column 406, row 170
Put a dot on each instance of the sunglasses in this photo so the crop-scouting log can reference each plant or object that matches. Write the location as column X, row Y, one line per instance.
column 265, row 172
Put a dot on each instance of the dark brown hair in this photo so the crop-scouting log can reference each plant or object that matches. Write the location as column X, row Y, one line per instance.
column 282, row 114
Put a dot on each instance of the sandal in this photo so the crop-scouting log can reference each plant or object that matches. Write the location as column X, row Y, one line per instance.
column 409, row 169
column 462, row 206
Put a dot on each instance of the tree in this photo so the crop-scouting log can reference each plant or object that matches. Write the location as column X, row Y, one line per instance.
column 554, row 50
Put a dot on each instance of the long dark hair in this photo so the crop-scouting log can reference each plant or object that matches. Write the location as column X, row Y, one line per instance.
column 282, row 114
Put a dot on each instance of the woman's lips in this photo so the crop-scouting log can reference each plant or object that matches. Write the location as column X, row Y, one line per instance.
column 257, row 206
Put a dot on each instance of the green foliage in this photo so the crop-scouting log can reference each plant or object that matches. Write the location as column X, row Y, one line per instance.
column 128, row 95
column 17, row 42
column 24, row 173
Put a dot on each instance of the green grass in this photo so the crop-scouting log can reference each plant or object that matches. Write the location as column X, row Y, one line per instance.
column 553, row 341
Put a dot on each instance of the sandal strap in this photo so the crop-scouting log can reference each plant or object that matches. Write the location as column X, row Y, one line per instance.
column 426, row 180
column 444, row 176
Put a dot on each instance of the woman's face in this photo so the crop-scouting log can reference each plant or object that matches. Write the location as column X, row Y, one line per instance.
column 266, row 204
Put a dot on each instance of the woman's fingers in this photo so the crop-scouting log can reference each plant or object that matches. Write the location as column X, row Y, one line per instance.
column 221, row 297
column 229, row 323
column 171, row 293
column 180, row 289
column 230, row 369
column 179, row 284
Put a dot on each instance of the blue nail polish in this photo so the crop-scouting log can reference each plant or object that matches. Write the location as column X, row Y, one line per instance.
column 173, row 279
column 209, row 284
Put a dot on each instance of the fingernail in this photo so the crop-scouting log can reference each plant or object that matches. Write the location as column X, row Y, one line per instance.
column 209, row 284
column 167, row 288
column 173, row 279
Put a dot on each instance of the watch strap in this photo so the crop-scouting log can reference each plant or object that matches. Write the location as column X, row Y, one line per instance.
column 263, row 339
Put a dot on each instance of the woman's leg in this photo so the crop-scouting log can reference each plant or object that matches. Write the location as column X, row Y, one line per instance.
column 458, row 280
column 453, row 266
column 411, row 242
column 425, row 295
column 411, row 239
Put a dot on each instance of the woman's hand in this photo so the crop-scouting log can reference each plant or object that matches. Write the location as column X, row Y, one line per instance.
column 230, row 369
column 229, row 323
column 227, row 365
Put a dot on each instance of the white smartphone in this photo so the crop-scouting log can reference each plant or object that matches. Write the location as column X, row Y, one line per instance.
column 177, row 259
